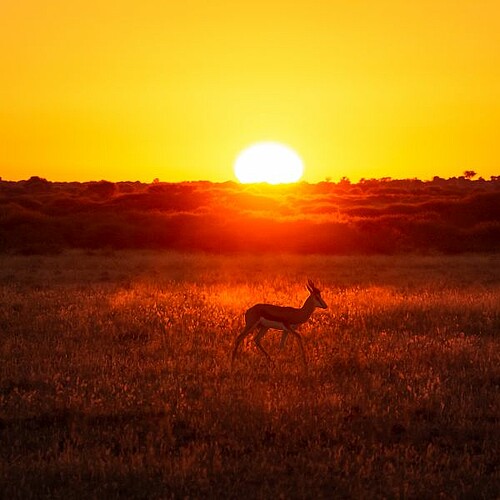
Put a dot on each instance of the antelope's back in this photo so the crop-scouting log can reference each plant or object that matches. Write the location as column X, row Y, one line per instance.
column 266, row 311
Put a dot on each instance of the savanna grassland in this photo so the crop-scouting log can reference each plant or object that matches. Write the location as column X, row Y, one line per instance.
column 115, row 377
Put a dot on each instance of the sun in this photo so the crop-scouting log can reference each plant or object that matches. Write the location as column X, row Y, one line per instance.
column 269, row 162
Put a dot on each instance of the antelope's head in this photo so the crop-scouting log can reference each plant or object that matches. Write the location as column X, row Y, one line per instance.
column 316, row 295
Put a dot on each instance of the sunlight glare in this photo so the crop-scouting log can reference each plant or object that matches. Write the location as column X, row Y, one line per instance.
column 269, row 162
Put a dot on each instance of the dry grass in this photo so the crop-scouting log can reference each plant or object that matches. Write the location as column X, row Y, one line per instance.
column 115, row 381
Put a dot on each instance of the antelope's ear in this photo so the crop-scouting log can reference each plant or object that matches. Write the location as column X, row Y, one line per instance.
column 311, row 290
column 312, row 287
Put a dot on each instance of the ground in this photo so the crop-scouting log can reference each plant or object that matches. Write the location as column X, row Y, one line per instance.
column 115, row 377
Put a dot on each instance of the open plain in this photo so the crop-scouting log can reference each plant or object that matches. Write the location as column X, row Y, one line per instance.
column 115, row 377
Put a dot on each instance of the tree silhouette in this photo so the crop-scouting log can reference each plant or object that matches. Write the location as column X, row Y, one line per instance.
column 469, row 174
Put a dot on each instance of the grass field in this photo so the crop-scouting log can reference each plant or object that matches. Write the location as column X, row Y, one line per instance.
column 115, row 378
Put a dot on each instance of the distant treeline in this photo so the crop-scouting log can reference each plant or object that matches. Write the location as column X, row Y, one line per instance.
column 373, row 216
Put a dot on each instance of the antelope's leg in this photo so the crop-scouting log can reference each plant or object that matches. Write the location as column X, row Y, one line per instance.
column 260, row 334
column 284, row 336
column 299, row 339
column 239, row 340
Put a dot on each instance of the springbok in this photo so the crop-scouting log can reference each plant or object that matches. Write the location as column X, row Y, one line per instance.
column 266, row 316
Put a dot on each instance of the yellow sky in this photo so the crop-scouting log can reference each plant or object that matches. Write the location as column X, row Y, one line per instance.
column 133, row 90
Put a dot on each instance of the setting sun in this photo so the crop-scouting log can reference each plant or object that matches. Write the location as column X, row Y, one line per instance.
column 269, row 162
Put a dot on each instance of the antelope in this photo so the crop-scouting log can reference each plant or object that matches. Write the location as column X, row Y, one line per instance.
column 286, row 319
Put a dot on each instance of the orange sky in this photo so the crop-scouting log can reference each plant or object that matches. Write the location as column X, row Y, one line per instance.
column 130, row 90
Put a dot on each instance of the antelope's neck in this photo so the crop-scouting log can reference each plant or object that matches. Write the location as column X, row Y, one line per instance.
column 307, row 309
